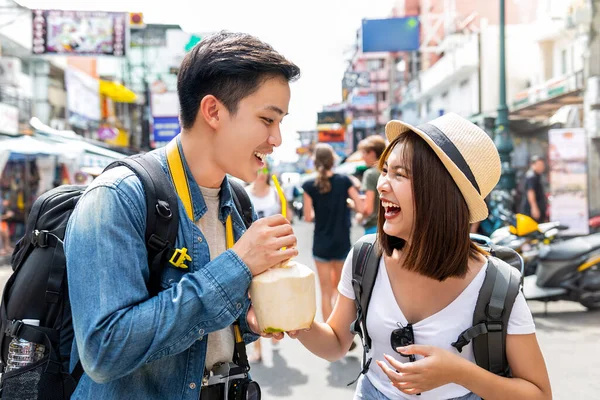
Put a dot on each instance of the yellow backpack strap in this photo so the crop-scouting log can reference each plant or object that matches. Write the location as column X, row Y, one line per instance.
column 180, row 256
column 179, row 179
column 177, row 172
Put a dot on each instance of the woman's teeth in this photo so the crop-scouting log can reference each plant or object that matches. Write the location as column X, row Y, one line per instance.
column 390, row 206
column 262, row 156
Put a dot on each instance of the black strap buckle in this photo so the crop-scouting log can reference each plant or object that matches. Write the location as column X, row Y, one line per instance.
column 494, row 326
column 460, row 343
column 14, row 327
column 40, row 238
column 156, row 243
column 469, row 334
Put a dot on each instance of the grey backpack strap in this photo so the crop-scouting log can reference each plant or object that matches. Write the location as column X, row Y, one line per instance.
column 365, row 263
column 490, row 320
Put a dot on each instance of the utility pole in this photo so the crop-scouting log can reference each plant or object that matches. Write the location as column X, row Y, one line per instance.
column 591, row 105
column 503, row 139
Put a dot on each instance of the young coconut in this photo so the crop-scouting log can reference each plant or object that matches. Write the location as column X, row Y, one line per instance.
column 284, row 298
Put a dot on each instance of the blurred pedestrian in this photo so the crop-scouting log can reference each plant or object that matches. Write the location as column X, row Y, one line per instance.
column 265, row 201
column 5, row 214
column 325, row 203
column 371, row 148
column 289, row 190
column 534, row 201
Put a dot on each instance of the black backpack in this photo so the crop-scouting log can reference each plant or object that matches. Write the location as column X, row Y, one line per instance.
column 502, row 283
column 38, row 287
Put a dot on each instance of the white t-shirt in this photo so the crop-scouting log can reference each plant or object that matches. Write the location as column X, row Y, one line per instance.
column 267, row 205
column 221, row 344
column 439, row 330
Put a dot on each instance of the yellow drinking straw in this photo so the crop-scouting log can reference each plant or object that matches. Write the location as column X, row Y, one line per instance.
column 281, row 198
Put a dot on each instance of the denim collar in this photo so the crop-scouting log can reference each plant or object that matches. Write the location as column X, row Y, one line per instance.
column 198, row 203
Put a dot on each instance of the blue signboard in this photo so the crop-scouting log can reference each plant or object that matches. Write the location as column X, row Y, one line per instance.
column 363, row 100
column 363, row 123
column 390, row 35
column 165, row 129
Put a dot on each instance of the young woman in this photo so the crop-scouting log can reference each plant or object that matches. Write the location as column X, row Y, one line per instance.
column 325, row 203
column 433, row 182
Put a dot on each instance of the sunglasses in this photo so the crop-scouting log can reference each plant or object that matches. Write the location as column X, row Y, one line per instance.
column 402, row 337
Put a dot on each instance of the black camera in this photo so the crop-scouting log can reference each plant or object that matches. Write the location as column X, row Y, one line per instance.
column 402, row 337
column 229, row 381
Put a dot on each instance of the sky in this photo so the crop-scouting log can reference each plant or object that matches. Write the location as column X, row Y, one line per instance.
column 317, row 35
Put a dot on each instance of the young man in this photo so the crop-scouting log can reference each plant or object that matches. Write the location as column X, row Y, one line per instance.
column 233, row 93
column 371, row 148
column 534, row 201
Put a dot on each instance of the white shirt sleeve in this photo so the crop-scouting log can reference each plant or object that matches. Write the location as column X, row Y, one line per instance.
column 345, row 285
column 521, row 320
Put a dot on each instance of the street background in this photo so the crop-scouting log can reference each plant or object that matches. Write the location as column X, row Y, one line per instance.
column 568, row 335
column 83, row 84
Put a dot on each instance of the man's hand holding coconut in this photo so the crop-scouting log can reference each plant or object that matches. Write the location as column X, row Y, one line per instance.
column 282, row 291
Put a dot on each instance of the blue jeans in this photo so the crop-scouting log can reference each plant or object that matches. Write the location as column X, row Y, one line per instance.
column 366, row 391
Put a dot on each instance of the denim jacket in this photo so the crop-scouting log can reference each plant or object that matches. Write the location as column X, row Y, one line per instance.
column 131, row 345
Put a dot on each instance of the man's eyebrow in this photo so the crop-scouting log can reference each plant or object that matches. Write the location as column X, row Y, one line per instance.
column 276, row 109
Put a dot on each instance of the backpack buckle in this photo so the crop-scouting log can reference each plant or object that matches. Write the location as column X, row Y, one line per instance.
column 156, row 243
column 40, row 238
column 14, row 327
column 179, row 257
column 494, row 326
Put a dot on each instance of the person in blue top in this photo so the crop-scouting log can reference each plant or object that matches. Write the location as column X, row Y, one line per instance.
column 325, row 203
column 233, row 93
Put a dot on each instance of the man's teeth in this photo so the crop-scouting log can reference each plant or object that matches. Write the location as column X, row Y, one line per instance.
column 262, row 156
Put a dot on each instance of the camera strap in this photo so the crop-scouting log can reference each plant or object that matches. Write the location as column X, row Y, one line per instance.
column 177, row 171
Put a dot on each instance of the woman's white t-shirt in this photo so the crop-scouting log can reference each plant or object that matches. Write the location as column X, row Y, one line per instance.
column 267, row 205
column 439, row 330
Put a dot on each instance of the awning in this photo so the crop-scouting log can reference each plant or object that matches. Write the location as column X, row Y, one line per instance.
column 22, row 146
column 541, row 102
column 116, row 92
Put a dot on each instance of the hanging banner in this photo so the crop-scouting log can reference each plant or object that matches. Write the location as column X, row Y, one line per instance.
column 569, row 179
column 83, row 98
column 9, row 119
column 89, row 33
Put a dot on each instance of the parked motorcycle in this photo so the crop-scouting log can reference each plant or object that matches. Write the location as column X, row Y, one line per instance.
column 567, row 270
column 529, row 239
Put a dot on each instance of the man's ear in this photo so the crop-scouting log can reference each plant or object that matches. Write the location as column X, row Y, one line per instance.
column 209, row 111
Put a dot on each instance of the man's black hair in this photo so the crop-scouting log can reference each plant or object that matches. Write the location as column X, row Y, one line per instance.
column 229, row 66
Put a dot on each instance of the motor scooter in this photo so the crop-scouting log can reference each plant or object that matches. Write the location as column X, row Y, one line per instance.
column 529, row 239
column 567, row 270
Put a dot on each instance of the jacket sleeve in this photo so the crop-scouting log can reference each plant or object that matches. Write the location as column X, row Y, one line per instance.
column 118, row 327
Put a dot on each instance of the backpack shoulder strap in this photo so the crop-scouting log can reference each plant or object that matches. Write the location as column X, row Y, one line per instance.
column 242, row 202
column 162, row 217
column 365, row 264
column 490, row 319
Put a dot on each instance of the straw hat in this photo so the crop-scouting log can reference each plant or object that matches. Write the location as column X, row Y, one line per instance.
column 466, row 151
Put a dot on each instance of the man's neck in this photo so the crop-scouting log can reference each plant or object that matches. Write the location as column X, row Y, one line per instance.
column 197, row 150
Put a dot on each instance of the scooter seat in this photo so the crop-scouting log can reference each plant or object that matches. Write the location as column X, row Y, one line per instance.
column 571, row 249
